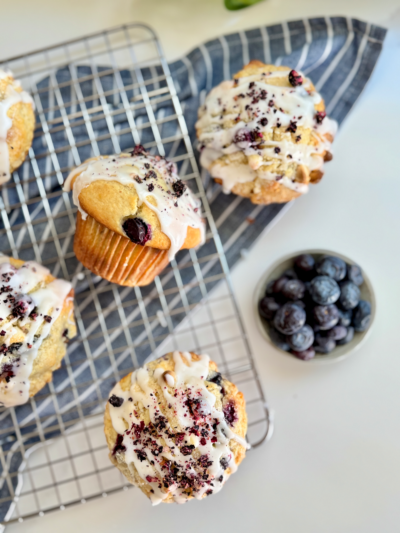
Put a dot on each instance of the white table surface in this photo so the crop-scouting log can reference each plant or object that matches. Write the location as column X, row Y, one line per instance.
column 333, row 463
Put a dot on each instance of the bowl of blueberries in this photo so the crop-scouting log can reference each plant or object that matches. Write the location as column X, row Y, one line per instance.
column 315, row 306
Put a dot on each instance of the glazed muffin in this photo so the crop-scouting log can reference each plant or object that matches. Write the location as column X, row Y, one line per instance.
column 36, row 322
column 175, row 428
column 265, row 135
column 134, row 214
column 17, row 122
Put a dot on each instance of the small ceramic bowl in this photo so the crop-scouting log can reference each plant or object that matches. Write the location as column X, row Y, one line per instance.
column 340, row 352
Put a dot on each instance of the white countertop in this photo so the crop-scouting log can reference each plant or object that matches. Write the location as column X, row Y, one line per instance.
column 332, row 465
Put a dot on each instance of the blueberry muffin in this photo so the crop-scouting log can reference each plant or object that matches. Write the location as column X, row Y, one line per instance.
column 17, row 122
column 175, row 428
column 265, row 134
column 134, row 214
column 36, row 322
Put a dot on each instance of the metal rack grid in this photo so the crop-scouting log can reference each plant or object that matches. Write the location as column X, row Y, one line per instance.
column 96, row 95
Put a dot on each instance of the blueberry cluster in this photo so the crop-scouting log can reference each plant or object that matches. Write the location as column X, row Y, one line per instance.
column 315, row 306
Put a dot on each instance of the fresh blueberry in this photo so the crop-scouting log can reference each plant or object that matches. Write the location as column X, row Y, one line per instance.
column 304, row 266
column 324, row 290
column 306, row 355
column 302, row 339
column 323, row 344
column 354, row 274
column 345, row 317
column 278, row 339
column 267, row 307
column 300, row 303
column 270, row 288
column 349, row 295
column 304, row 262
column 279, row 283
column 315, row 327
column 349, row 336
column 326, row 316
column 362, row 316
column 308, row 301
column 337, row 333
column 289, row 318
column 294, row 289
column 290, row 273
column 331, row 266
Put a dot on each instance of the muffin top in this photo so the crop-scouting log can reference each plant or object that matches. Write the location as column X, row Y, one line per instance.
column 268, row 122
column 178, row 425
column 11, row 93
column 139, row 196
column 31, row 301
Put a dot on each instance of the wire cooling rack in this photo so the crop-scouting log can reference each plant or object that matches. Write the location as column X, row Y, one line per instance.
column 97, row 95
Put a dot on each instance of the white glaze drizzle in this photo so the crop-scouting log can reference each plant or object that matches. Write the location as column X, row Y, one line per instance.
column 248, row 106
column 175, row 214
column 48, row 299
column 213, row 444
column 12, row 97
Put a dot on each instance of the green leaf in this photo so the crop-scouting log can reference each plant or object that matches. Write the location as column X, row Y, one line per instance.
column 239, row 4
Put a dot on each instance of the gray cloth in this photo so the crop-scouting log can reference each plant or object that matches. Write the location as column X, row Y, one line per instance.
column 338, row 54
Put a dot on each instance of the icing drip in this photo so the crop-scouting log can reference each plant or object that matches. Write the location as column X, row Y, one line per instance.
column 240, row 115
column 190, row 458
column 12, row 97
column 28, row 309
column 153, row 176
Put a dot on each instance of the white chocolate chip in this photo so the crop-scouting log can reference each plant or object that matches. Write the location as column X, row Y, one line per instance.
column 169, row 378
column 194, row 440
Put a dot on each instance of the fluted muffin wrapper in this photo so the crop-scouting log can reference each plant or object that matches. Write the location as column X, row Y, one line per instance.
column 114, row 257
